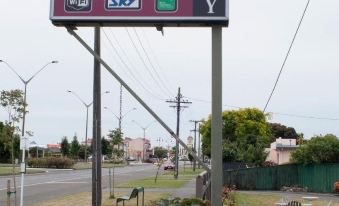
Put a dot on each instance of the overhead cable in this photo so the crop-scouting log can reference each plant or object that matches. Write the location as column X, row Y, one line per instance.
column 144, row 63
column 286, row 57
column 128, row 68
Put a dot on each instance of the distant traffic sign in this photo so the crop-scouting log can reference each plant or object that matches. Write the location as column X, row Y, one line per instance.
column 139, row 12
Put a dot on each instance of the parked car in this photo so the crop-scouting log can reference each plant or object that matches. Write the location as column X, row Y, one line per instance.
column 130, row 159
column 169, row 166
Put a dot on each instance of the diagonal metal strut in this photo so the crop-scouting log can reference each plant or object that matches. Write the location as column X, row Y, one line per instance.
column 122, row 82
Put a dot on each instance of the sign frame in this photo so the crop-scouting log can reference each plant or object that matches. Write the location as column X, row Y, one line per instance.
column 125, row 17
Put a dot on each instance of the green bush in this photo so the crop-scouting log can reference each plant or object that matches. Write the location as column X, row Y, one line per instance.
column 51, row 162
column 179, row 202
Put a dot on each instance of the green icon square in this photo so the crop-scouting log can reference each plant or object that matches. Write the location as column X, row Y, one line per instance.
column 166, row 5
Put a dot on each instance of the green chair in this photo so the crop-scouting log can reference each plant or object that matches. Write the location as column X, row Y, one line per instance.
column 134, row 194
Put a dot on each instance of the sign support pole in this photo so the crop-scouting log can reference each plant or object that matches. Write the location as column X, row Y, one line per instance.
column 96, row 166
column 121, row 81
column 216, row 152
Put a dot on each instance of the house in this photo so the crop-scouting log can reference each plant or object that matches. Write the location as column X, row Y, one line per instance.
column 138, row 148
column 281, row 150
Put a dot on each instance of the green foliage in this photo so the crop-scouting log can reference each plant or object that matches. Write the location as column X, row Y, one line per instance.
column 245, row 136
column 116, row 136
column 320, row 149
column 106, row 148
column 6, row 136
column 51, row 162
column 279, row 130
column 178, row 201
column 75, row 148
column 13, row 102
column 160, row 152
column 33, row 151
column 119, row 153
column 65, row 147
column 82, row 151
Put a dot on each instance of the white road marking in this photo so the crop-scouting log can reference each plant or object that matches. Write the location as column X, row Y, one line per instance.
column 70, row 179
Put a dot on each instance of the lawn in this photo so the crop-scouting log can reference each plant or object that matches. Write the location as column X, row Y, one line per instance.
column 8, row 171
column 269, row 200
column 82, row 199
column 165, row 180
column 84, row 165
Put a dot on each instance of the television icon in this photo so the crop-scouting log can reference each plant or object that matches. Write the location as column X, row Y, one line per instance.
column 78, row 5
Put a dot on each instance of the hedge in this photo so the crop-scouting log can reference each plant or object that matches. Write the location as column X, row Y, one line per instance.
column 51, row 162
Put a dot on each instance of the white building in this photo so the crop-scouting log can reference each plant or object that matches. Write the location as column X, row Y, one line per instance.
column 281, row 150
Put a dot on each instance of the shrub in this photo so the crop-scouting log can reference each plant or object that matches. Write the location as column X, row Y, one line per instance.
column 51, row 162
column 178, row 201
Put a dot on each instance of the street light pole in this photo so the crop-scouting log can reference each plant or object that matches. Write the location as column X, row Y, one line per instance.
column 120, row 117
column 25, row 82
column 144, row 131
column 87, row 108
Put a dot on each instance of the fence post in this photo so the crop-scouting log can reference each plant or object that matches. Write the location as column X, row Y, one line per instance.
column 8, row 192
column 110, row 182
column 199, row 187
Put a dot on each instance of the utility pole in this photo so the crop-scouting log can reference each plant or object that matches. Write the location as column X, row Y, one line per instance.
column 178, row 101
column 199, row 146
column 195, row 140
column 120, row 111
column 96, row 146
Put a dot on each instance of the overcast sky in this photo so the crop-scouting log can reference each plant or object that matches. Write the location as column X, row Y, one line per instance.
column 254, row 47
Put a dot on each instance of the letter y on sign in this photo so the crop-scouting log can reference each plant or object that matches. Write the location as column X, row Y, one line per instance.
column 211, row 4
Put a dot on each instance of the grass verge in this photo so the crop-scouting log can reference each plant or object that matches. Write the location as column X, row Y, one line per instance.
column 82, row 199
column 84, row 165
column 165, row 180
column 4, row 171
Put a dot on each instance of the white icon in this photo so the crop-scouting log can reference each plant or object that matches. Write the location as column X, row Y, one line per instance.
column 211, row 4
column 83, row 3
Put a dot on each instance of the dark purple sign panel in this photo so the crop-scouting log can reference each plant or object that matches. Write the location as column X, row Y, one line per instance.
column 139, row 12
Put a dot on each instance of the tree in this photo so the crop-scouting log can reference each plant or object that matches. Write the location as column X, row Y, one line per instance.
column 106, row 148
column 65, row 147
column 116, row 137
column 13, row 102
column 82, row 151
column 160, row 152
column 245, row 136
column 279, row 130
column 9, row 143
column 75, row 148
column 320, row 149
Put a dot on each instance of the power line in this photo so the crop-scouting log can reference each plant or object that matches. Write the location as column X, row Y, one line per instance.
column 276, row 113
column 305, row 116
column 128, row 68
column 209, row 102
column 286, row 57
column 143, row 62
column 150, row 62
column 167, row 82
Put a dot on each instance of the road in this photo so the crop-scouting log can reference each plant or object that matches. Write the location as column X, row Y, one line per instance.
column 55, row 183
